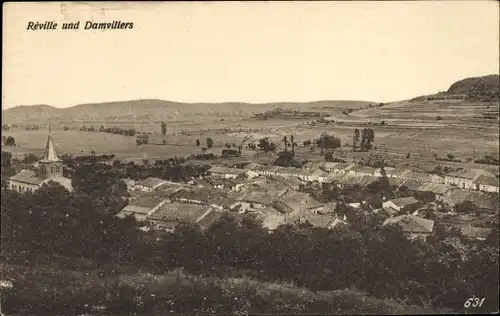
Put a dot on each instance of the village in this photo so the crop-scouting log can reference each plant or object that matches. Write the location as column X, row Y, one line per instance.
column 277, row 195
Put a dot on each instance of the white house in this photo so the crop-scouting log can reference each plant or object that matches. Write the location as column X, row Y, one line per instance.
column 487, row 184
column 466, row 179
column 397, row 205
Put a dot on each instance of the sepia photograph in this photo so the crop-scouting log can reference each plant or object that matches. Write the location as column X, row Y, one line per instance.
column 250, row 158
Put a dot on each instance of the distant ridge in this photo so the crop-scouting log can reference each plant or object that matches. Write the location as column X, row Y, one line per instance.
column 154, row 109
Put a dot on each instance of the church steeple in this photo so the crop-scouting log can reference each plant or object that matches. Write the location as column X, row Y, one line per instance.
column 50, row 164
column 50, row 154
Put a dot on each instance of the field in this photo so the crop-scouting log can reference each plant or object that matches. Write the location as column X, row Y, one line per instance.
column 410, row 128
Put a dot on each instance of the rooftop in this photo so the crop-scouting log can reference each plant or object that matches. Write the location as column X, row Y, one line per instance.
column 401, row 202
column 27, row 176
column 179, row 212
column 225, row 170
column 412, row 223
column 486, row 180
column 152, row 182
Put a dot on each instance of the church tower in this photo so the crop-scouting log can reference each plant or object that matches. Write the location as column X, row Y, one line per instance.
column 50, row 165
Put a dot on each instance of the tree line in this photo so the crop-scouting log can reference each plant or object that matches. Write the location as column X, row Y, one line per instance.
column 374, row 259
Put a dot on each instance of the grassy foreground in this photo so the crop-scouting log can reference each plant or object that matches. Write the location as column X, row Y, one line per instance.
column 54, row 290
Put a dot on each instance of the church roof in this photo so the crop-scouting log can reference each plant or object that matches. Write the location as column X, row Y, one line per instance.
column 27, row 176
column 50, row 154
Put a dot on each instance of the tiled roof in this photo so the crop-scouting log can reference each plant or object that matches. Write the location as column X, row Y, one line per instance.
column 152, row 182
column 316, row 220
column 412, row 184
column 475, row 232
column 136, row 209
column 148, row 201
column 485, row 180
column 364, row 169
column 404, row 201
column 258, row 197
column 224, row 170
column 210, row 219
column 179, row 212
column 481, row 200
column 421, row 176
column 437, row 188
column 469, row 174
column 412, row 223
column 27, row 176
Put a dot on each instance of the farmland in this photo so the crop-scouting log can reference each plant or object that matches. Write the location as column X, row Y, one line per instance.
column 410, row 128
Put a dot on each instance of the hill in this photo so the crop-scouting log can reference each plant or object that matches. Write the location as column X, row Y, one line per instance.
column 482, row 89
column 156, row 110
column 39, row 291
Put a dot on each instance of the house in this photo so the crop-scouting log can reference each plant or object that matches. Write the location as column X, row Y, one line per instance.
column 317, row 220
column 423, row 177
column 465, row 179
column 269, row 217
column 150, row 184
column 438, row 189
column 412, row 226
column 343, row 167
column 169, row 215
column 287, row 181
column 226, row 173
column 478, row 233
column 216, row 199
column 363, row 171
column 313, row 175
column 485, row 202
column 329, row 166
column 254, row 200
column 487, row 183
column 142, row 207
column 50, row 169
column 395, row 172
column 399, row 205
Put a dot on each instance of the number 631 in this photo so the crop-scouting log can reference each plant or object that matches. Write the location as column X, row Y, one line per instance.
column 474, row 302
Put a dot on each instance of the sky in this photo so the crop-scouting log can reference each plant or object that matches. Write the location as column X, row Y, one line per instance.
column 248, row 52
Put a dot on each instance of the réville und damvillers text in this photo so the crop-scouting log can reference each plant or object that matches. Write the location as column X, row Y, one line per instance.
column 88, row 25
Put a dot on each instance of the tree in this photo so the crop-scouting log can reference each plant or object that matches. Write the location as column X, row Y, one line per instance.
column 326, row 142
column 10, row 141
column 138, row 141
column 266, row 145
column 382, row 123
column 101, row 128
column 197, row 143
column 66, row 128
column 163, row 128
column 450, row 156
column 210, row 142
column 465, row 207
column 355, row 139
column 439, row 118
